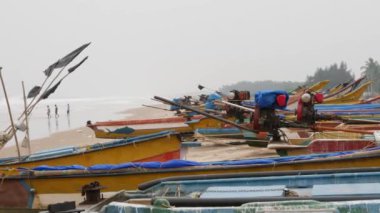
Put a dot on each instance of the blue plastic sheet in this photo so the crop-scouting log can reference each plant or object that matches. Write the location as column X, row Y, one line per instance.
column 180, row 163
column 55, row 168
column 209, row 104
column 267, row 99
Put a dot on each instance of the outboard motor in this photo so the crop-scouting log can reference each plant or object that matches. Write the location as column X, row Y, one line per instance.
column 203, row 98
column 305, row 110
column 265, row 118
column 236, row 97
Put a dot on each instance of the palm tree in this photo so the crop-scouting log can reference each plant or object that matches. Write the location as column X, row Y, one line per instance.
column 371, row 70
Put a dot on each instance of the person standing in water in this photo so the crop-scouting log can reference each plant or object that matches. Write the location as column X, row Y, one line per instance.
column 48, row 111
column 56, row 111
column 68, row 109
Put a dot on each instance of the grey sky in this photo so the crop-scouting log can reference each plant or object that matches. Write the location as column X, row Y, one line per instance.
column 168, row 47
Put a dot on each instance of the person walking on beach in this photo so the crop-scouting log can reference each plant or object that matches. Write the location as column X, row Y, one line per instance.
column 56, row 111
column 48, row 111
column 68, row 109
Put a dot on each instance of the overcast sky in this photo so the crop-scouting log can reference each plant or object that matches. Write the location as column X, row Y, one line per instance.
column 168, row 47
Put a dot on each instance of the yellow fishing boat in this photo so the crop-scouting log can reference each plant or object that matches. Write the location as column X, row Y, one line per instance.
column 34, row 185
column 349, row 98
column 317, row 87
column 155, row 147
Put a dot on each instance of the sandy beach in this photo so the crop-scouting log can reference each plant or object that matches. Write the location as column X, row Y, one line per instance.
column 209, row 151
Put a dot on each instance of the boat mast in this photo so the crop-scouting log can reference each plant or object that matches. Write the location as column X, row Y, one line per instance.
column 26, row 119
column 10, row 115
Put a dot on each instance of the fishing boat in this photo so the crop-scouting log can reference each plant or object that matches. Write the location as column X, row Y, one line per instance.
column 161, row 146
column 362, row 206
column 349, row 98
column 46, row 181
column 145, row 121
column 206, row 192
column 117, row 130
column 344, row 88
column 123, row 129
column 349, row 94
column 212, row 192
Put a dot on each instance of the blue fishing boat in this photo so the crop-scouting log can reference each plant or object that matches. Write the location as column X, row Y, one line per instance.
column 336, row 191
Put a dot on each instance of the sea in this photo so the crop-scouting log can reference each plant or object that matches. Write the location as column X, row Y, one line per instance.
column 81, row 111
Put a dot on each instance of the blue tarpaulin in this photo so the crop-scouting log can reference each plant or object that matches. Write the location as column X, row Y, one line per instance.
column 267, row 99
column 54, row 168
column 209, row 104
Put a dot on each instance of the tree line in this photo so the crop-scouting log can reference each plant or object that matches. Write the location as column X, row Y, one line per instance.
column 337, row 73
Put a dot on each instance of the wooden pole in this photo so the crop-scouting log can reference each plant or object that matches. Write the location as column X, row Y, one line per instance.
column 26, row 119
column 235, row 105
column 10, row 115
column 155, row 107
